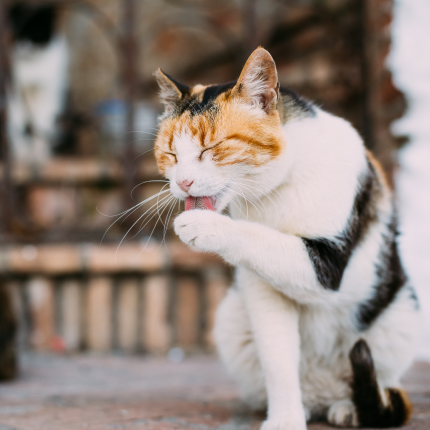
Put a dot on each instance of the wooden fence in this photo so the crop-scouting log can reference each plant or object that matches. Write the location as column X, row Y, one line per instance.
column 84, row 297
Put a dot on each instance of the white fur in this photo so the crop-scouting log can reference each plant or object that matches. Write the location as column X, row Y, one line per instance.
column 37, row 97
column 256, row 86
column 281, row 335
column 343, row 414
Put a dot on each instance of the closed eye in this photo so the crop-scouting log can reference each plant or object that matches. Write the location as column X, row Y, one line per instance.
column 208, row 149
column 173, row 155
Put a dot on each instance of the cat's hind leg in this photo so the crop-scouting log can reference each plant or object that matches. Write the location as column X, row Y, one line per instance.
column 238, row 351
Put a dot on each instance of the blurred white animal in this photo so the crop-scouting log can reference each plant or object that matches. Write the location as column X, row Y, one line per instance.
column 39, row 63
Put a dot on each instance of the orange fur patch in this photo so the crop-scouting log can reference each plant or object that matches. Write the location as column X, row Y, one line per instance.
column 377, row 165
column 407, row 404
column 231, row 133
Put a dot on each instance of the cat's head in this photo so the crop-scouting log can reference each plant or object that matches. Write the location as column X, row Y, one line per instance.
column 33, row 25
column 222, row 141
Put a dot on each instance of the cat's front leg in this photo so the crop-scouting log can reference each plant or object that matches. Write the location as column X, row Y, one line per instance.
column 280, row 259
column 274, row 322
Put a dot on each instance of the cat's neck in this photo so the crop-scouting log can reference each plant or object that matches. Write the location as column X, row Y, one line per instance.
column 321, row 161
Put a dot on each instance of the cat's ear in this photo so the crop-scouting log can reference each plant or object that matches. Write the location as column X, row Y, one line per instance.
column 258, row 82
column 171, row 91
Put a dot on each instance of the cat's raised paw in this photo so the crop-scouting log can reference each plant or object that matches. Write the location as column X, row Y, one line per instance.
column 342, row 414
column 204, row 229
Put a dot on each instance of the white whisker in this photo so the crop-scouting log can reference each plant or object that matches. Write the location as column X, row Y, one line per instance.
column 266, row 195
column 154, row 212
column 149, row 238
column 128, row 231
column 143, row 153
column 129, row 212
column 153, row 209
column 166, row 226
column 145, row 182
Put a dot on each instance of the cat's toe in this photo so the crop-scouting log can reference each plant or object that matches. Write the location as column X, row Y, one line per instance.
column 343, row 414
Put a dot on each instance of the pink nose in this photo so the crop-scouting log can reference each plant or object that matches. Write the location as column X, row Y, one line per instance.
column 184, row 185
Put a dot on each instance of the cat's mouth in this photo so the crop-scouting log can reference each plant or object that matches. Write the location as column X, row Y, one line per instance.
column 211, row 203
column 203, row 202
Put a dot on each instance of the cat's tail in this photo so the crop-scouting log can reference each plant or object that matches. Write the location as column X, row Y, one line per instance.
column 372, row 410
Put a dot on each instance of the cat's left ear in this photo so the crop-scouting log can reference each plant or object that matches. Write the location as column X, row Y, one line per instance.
column 258, row 82
column 171, row 91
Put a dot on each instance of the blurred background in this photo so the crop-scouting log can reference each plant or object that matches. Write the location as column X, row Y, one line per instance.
column 78, row 116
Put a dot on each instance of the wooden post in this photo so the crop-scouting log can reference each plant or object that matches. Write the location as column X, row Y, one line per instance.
column 71, row 314
column 6, row 194
column 187, row 313
column 128, row 304
column 99, row 314
column 8, row 329
column 215, row 290
column 17, row 295
column 128, row 56
column 40, row 292
column 156, row 332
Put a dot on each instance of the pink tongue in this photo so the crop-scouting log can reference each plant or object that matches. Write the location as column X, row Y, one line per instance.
column 198, row 203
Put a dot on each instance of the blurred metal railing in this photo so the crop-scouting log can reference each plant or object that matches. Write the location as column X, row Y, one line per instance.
column 6, row 194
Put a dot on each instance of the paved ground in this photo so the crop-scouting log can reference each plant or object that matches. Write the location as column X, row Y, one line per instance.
column 94, row 393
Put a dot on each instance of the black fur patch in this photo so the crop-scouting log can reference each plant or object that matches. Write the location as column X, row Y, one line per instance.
column 330, row 257
column 190, row 103
column 391, row 278
column 365, row 393
column 329, row 261
column 292, row 101
column 184, row 89
column 31, row 23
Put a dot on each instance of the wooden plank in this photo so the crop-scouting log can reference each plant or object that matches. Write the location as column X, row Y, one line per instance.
column 16, row 293
column 187, row 313
column 183, row 257
column 61, row 170
column 40, row 292
column 71, row 314
column 156, row 331
column 61, row 259
column 99, row 314
column 128, row 303
column 215, row 290
column 42, row 259
column 132, row 257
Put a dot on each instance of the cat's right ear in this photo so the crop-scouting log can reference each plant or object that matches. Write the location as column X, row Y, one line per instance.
column 258, row 83
column 171, row 91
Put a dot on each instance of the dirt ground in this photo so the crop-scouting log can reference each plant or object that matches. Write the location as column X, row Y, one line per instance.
column 114, row 392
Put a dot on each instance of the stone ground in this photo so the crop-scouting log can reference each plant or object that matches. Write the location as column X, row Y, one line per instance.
column 112, row 392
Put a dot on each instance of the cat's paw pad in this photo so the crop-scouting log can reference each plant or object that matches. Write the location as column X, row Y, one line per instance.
column 343, row 414
column 202, row 229
column 283, row 425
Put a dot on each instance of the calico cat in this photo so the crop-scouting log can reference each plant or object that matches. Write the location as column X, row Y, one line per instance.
column 40, row 59
column 321, row 320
